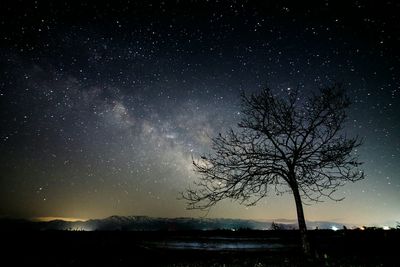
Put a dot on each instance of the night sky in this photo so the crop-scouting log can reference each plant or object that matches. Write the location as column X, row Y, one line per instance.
column 103, row 106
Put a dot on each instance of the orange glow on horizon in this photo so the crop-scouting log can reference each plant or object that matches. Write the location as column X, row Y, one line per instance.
column 48, row 219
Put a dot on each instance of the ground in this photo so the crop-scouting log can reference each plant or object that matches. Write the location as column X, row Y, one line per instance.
column 199, row 248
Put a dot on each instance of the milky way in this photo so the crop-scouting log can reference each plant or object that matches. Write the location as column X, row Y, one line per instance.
column 104, row 106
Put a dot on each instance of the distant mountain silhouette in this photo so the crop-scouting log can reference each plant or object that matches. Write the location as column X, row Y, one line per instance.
column 144, row 223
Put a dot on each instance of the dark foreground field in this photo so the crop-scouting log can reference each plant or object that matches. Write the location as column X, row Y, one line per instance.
column 198, row 248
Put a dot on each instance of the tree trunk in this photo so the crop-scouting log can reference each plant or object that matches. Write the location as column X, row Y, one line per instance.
column 300, row 218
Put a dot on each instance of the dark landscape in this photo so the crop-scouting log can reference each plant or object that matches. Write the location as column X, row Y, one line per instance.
column 146, row 241
column 371, row 247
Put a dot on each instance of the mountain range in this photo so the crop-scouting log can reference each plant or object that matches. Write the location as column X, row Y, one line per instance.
column 144, row 223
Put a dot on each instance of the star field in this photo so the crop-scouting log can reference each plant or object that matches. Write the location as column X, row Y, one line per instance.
column 103, row 106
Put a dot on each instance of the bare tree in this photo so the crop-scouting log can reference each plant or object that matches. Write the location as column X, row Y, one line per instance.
column 284, row 143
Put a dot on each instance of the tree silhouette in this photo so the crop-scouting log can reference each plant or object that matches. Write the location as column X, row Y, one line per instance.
column 286, row 143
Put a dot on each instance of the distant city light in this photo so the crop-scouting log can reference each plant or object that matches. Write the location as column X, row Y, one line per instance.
column 79, row 229
column 385, row 227
column 334, row 228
